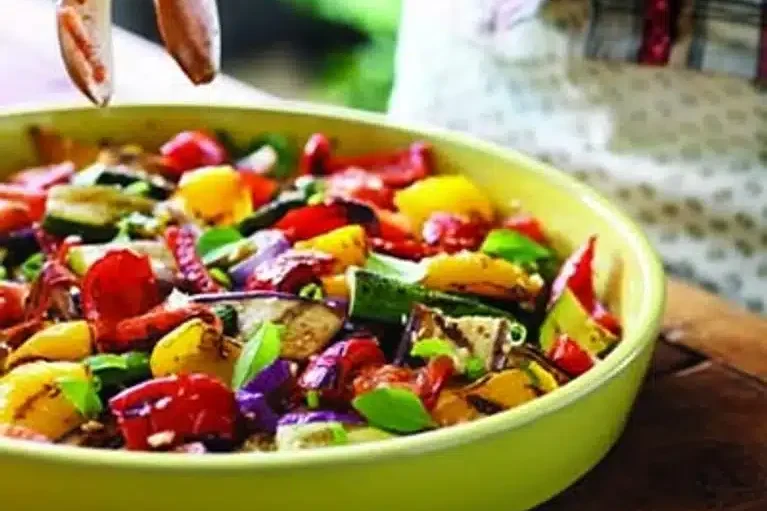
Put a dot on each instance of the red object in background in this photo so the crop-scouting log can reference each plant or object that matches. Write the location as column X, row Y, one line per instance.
column 289, row 271
column 569, row 356
column 188, row 407
column 190, row 150
column 120, row 285
column 43, row 178
column 262, row 189
column 527, row 226
column 182, row 243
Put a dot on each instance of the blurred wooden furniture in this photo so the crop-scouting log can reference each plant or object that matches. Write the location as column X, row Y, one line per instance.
column 698, row 438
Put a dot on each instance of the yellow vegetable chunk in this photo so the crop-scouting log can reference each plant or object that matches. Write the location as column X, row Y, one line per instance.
column 545, row 381
column 335, row 286
column 477, row 273
column 452, row 408
column 448, row 194
column 506, row 389
column 68, row 341
column 195, row 347
column 348, row 245
column 215, row 194
column 30, row 397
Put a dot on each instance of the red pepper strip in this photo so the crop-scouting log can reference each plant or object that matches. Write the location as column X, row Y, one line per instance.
column 13, row 216
column 262, row 189
column 316, row 155
column 527, row 226
column 289, row 271
column 433, row 378
column 140, row 332
column 404, row 249
column 333, row 371
column 32, row 199
column 577, row 275
column 361, row 186
column 43, row 178
column 119, row 285
column 453, row 233
column 22, row 433
column 397, row 169
column 569, row 356
column 189, row 407
column 606, row 319
column 182, row 241
column 12, row 299
column 310, row 221
column 190, row 150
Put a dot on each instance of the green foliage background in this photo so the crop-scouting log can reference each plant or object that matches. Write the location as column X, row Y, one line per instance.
column 361, row 77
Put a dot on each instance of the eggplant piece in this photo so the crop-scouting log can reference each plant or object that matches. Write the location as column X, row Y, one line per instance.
column 490, row 339
column 19, row 245
column 310, row 325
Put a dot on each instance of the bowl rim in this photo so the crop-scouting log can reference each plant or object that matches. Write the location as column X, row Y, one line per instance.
column 648, row 318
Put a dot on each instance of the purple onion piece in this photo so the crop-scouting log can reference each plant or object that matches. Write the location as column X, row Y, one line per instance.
column 299, row 418
column 270, row 378
column 269, row 244
column 19, row 245
column 255, row 407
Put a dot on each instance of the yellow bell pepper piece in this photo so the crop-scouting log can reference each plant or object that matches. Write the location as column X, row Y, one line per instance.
column 69, row 341
column 545, row 380
column 507, row 389
column 335, row 286
column 348, row 245
column 452, row 408
column 30, row 397
column 216, row 194
column 448, row 194
column 195, row 347
column 477, row 273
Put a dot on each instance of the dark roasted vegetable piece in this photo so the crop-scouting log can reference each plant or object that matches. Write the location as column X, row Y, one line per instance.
column 228, row 316
column 100, row 174
column 386, row 299
column 309, row 325
column 266, row 216
column 19, row 245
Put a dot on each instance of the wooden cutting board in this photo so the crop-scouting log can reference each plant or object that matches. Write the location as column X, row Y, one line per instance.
column 698, row 437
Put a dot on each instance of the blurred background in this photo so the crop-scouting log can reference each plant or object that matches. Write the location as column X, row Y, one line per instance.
column 334, row 51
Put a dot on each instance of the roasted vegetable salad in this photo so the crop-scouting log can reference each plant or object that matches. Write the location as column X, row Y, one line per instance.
column 209, row 298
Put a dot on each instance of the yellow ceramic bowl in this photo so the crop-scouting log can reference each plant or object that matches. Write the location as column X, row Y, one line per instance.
column 511, row 461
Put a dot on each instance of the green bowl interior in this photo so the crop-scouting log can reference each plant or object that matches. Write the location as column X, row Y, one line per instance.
column 629, row 275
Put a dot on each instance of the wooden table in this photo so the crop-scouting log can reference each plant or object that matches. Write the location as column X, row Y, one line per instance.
column 698, row 437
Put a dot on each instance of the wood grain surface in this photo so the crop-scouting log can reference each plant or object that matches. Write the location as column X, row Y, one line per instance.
column 697, row 440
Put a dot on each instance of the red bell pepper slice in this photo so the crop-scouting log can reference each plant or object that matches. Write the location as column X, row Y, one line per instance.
column 453, row 233
column 34, row 200
column 412, row 250
column 42, row 178
column 190, row 150
column 310, row 221
column 12, row 299
column 432, row 379
column 331, row 373
column 577, row 274
column 189, row 407
column 182, row 242
column 569, row 356
column 290, row 271
column 527, row 226
column 262, row 189
column 316, row 155
column 120, row 285
column 361, row 186
column 13, row 216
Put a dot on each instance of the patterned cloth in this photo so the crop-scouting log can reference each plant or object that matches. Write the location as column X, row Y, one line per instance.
column 683, row 152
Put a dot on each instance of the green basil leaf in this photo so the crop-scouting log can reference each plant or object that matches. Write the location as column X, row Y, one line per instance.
column 400, row 269
column 514, row 247
column 430, row 348
column 474, row 368
column 312, row 292
column 119, row 370
column 261, row 350
column 215, row 238
column 32, row 266
column 393, row 409
column 83, row 396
